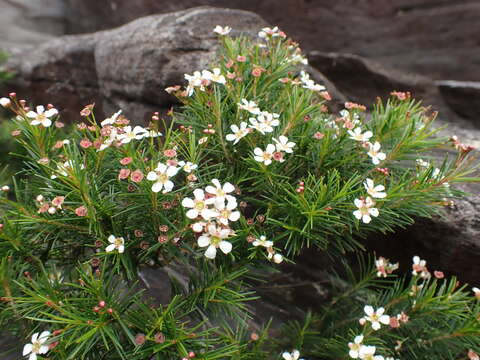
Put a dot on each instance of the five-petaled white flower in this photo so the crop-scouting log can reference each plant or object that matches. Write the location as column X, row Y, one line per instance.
column 116, row 243
column 215, row 238
column 41, row 117
column 375, row 317
column 250, row 106
column 374, row 191
column 283, row 144
column 215, row 76
column 294, row 355
column 161, row 175
column 368, row 353
column 269, row 32
column 138, row 133
column 221, row 192
column 222, row 30
column 37, row 346
column 365, row 209
column 356, row 134
column 226, row 211
column 238, row 132
column 199, row 205
column 262, row 241
column 375, row 154
column 264, row 156
column 355, row 347
column 188, row 166
column 112, row 119
column 419, row 268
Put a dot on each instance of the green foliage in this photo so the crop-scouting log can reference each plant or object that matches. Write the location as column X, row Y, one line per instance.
column 96, row 205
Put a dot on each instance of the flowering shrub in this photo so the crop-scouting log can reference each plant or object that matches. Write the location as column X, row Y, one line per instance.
column 252, row 169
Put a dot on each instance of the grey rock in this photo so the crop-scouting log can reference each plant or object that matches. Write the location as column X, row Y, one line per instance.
column 463, row 97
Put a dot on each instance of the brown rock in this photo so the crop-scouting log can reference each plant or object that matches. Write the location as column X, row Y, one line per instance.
column 463, row 97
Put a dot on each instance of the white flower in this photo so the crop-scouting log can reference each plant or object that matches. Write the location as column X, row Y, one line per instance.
column 376, row 317
column 422, row 163
column 356, row 134
column 152, row 134
column 374, row 191
column 294, row 355
column 161, row 175
column 5, row 188
column 384, row 267
column 109, row 139
column 188, row 166
column 355, row 347
column 375, row 153
column 264, row 156
column 214, row 239
column 476, row 292
column 260, row 126
column 298, row 58
column 199, row 206
column 250, row 106
column 419, row 267
column 5, row 102
column 138, row 133
column 41, row 117
column 311, row 85
column 222, row 30
column 112, row 119
column 226, row 211
column 116, row 243
column 267, row 32
column 37, row 346
column 365, row 209
column 198, row 226
column 368, row 353
column 195, row 80
column 238, row 132
column 216, row 76
column 220, row 192
column 263, row 242
column 283, row 144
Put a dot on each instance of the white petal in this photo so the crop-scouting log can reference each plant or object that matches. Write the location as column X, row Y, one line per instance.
column 366, row 219
column 210, row 189
column 47, row 122
column 384, row 319
column 374, row 212
column 51, row 112
column 357, row 214
column 228, row 188
column 31, row 114
column 172, row 171
column 168, row 186
column 156, row 187
column 211, row 252
column 216, row 183
column 287, row 356
column 296, row 354
column 225, row 246
column 121, row 249
column 192, row 213
column 152, row 176
column 43, row 336
column 43, row 349
column 234, row 216
column 199, row 194
column 110, row 248
column 27, row 349
column 257, row 151
column 111, row 239
column 40, row 109
column 368, row 310
column 32, row 356
column 188, row 203
column 203, row 241
column 376, row 325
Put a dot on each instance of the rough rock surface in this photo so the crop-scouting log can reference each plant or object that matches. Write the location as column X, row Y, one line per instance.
column 463, row 97
column 436, row 38
column 128, row 67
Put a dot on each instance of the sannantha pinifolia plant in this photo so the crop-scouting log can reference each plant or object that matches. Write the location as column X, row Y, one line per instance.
column 252, row 169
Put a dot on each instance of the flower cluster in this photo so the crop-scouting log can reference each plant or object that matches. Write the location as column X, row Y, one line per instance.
column 203, row 79
column 116, row 131
column 268, row 245
column 49, row 207
column 419, row 268
column 376, row 318
column 213, row 208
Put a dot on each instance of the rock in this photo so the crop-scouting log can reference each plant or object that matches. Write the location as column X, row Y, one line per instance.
column 449, row 243
column 435, row 38
column 363, row 80
column 25, row 22
column 62, row 72
column 463, row 97
column 137, row 61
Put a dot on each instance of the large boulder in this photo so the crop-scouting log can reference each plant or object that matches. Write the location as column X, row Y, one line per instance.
column 128, row 67
column 137, row 61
